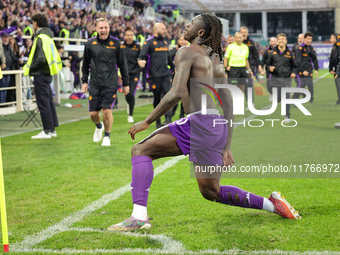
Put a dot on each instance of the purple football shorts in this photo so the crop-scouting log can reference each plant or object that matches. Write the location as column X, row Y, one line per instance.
column 203, row 137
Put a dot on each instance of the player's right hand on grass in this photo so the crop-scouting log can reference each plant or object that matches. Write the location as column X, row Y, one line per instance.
column 140, row 126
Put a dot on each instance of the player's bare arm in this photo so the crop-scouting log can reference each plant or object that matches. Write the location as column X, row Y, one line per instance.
column 227, row 107
column 184, row 59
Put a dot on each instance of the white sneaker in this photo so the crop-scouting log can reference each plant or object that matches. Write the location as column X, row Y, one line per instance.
column 98, row 134
column 53, row 134
column 130, row 119
column 106, row 141
column 42, row 135
column 287, row 120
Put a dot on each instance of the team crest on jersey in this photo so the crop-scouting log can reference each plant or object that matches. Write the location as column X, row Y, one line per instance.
column 94, row 43
column 111, row 43
column 154, row 43
column 136, row 79
column 274, row 53
column 153, row 86
column 300, row 48
column 288, row 53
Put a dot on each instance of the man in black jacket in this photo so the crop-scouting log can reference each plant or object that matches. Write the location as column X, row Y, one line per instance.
column 40, row 70
column 101, row 55
column 298, row 43
column 131, row 49
column 306, row 61
column 334, row 63
column 157, row 48
column 282, row 67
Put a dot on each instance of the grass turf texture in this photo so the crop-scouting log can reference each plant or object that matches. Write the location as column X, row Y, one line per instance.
column 47, row 180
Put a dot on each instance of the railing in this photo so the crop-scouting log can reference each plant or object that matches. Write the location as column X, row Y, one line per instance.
column 21, row 102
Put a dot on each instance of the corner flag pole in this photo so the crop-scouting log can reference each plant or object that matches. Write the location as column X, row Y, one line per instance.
column 3, row 207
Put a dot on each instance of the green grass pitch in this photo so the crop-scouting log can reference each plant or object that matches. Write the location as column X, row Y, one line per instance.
column 47, row 181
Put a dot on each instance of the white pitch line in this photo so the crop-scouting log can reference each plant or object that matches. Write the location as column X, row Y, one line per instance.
column 169, row 244
column 161, row 251
column 67, row 222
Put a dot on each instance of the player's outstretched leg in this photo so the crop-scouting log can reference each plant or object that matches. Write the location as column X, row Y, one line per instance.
column 234, row 196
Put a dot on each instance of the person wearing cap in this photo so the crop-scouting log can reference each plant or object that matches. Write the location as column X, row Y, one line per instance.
column 43, row 62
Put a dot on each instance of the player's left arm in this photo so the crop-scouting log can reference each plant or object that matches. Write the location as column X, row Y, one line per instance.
column 184, row 59
column 227, row 106
column 124, row 71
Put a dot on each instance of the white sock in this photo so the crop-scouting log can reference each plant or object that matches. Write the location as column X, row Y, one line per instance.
column 268, row 205
column 140, row 212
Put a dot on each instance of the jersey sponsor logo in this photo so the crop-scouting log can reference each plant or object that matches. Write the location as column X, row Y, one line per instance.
column 287, row 56
column 305, row 55
column 161, row 49
column 94, row 43
column 110, row 47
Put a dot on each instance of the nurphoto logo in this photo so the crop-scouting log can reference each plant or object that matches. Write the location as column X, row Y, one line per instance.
column 238, row 104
